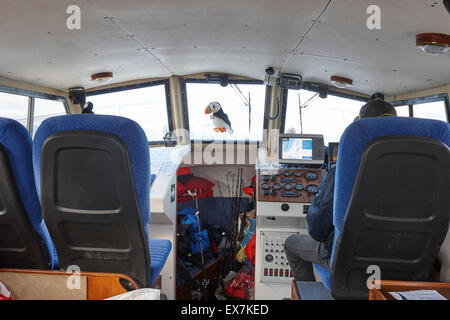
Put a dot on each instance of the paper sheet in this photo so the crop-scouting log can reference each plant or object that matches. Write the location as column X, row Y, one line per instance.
column 418, row 295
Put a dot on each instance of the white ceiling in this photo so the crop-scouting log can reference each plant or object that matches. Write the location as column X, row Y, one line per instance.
column 241, row 37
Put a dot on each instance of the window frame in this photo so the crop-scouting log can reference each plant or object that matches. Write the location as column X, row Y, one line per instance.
column 184, row 102
column 426, row 99
column 32, row 95
column 317, row 89
column 141, row 86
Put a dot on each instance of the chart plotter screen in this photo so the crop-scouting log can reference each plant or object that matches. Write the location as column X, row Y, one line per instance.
column 301, row 149
column 295, row 148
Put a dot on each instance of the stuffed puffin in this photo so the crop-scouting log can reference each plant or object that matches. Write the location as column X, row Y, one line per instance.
column 219, row 118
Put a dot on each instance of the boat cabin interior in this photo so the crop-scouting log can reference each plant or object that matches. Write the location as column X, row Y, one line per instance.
column 193, row 150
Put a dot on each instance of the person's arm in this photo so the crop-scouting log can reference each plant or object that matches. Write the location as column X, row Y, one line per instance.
column 320, row 213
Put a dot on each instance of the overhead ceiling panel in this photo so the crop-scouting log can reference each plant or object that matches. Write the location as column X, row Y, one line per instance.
column 385, row 60
column 142, row 39
column 234, row 36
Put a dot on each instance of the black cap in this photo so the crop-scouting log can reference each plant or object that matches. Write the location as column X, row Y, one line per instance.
column 377, row 108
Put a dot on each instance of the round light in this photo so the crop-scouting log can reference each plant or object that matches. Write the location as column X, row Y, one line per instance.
column 102, row 77
column 341, row 82
column 433, row 43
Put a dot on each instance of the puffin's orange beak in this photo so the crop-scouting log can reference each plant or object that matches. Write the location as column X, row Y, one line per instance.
column 207, row 110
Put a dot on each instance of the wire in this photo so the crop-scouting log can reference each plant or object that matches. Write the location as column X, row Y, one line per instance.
column 241, row 95
column 304, row 36
column 277, row 114
column 247, row 103
column 300, row 107
column 310, row 100
column 300, row 111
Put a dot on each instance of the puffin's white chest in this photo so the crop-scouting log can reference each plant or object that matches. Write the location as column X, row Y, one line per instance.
column 219, row 123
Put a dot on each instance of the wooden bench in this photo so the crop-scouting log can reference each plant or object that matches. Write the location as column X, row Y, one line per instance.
column 27, row 284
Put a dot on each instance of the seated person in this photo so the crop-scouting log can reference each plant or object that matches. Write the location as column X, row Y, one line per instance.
column 302, row 251
column 88, row 108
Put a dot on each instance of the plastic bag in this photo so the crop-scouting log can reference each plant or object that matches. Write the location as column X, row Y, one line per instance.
column 5, row 294
column 139, row 294
column 242, row 286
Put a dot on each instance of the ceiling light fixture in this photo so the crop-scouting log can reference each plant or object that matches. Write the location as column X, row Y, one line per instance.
column 102, row 77
column 341, row 82
column 433, row 43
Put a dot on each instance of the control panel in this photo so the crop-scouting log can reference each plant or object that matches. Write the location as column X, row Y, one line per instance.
column 289, row 185
column 274, row 265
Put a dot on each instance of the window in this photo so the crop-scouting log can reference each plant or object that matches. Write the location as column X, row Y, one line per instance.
column 14, row 107
column 431, row 110
column 44, row 109
column 146, row 106
column 402, row 111
column 234, row 98
column 330, row 116
column 436, row 109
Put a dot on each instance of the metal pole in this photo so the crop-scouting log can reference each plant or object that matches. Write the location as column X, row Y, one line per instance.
column 30, row 119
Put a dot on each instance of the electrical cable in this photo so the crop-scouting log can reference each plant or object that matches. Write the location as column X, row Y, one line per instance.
column 304, row 36
column 277, row 114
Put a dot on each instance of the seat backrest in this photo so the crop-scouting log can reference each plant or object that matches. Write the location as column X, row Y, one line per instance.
column 94, row 175
column 391, row 204
column 24, row 240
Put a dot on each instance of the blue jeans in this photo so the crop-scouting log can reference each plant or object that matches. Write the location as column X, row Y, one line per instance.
column 302, row 251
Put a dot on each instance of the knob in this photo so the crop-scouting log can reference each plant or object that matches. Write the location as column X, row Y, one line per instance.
column 269, row 258
column 285, row 207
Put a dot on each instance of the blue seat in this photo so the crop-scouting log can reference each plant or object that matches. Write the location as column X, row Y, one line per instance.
column 24, row 238
column 93, row 174
column 392, row 222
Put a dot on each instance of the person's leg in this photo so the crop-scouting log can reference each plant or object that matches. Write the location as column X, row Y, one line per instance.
column 302, row 251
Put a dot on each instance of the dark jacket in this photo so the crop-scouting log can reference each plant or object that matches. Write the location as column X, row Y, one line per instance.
column 320, row 214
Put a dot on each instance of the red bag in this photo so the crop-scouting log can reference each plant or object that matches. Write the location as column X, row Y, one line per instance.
column 200, row 195
column 198, row 183
column 250, row 249
column 183, row 171
column 239, row 287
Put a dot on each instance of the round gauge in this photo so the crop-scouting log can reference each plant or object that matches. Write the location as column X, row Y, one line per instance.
column 276, row 186
column 287, row 187
column 265, row 186
column 299, row 187
column 287, row 173
column 298, row 174
column 312, row 188
column 266, row 178
column 311, row 175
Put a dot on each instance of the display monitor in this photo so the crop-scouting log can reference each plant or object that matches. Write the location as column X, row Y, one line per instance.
column 301, row 149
